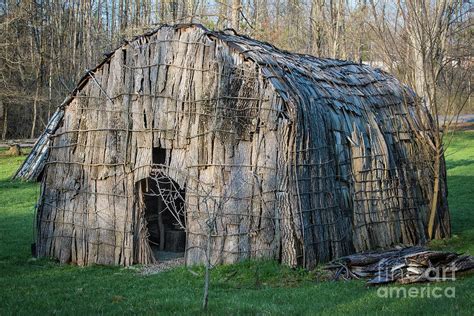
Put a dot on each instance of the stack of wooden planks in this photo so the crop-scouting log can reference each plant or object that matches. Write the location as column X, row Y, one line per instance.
column 402, row 265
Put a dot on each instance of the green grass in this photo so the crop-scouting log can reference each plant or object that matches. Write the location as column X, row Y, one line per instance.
column 31, row 286
column 460, row 168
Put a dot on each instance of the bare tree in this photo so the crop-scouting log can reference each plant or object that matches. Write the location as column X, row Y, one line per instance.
column 414, row 37
column 236, row 8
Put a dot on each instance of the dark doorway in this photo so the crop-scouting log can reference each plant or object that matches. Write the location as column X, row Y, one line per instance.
column 164, row 212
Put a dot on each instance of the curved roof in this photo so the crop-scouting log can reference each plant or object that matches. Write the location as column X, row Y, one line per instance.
column 342, row 83
column 303, row 81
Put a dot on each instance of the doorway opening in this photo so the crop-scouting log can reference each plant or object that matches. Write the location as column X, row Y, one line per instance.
column 164, row 202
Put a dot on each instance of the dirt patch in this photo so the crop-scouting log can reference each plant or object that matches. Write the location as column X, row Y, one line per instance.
column 162, row 266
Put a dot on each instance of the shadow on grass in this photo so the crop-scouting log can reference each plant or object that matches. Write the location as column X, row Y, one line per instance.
column 459, row 163
column 460, row 199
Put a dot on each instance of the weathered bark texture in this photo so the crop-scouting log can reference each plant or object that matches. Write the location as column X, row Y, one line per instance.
column 281, row 155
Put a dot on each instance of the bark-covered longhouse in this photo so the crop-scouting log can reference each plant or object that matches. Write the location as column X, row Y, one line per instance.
column 274, row 155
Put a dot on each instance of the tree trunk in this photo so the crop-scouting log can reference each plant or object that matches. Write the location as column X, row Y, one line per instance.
column 35, row 107
column 236, row 6
column 5, row 121
column 434, row 201
column 205, row 299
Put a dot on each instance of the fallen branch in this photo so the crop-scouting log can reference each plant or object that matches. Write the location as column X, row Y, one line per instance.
column 404, row 265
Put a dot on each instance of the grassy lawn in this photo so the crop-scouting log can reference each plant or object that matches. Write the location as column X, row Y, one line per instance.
column 32, row 286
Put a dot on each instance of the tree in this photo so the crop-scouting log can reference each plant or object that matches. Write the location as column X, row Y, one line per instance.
column 423, row 30
column 236, row 7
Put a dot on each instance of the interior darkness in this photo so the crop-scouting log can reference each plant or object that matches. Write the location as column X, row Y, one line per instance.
column 166, row 236
column 158, row 155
